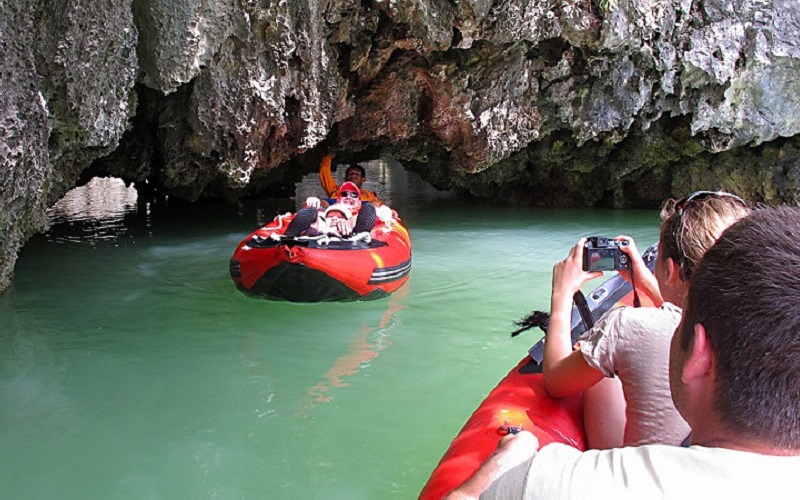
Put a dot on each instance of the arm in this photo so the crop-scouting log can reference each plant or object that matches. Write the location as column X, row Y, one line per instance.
column 565, row 371
column 385, row 214
column 342, row 227
column 326, row 177
column 570, row 375
column 314, row 202
column 511, row 451
column 644, row 280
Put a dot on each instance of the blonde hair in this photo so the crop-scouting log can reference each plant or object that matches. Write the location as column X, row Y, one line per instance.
column 691, row 225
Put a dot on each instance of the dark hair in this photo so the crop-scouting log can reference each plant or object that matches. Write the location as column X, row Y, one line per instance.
column 691, row 225
column 745, row 294
column 357, row 167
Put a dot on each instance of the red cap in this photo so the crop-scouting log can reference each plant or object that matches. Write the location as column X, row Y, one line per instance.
column 349, row 186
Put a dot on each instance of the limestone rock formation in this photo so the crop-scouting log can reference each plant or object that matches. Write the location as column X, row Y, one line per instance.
column 554, row 102
column 66, row 93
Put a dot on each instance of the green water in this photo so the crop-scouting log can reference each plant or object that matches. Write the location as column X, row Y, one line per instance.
column 130, row 367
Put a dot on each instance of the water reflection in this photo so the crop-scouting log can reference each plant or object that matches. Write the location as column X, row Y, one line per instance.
column 97, row 210
column 101, row 198
column 366, row 344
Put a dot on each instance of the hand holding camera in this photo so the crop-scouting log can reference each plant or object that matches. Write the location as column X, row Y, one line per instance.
column 605, row 254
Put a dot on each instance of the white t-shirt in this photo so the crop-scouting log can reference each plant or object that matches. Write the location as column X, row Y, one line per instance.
column 650, row 472
column 633, row 344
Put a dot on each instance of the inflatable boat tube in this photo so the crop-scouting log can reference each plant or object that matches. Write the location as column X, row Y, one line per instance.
column 520, row 402
column 316, row 269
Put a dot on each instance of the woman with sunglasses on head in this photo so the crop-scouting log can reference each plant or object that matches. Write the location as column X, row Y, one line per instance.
column 621, row 364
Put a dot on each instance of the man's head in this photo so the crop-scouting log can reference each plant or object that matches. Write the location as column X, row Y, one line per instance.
column 355, row 174
column 742, row 306
column 350, row 196
column 692, row 224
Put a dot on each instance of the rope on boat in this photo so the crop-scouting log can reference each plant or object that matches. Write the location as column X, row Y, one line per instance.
column 280, row 219
column 326, row 239
column 365, row 237
column 322, row 239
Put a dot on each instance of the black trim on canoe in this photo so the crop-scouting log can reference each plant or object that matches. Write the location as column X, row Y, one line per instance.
column 291, row 282
column 236, row 268
column 389, row 274
column 309, row 242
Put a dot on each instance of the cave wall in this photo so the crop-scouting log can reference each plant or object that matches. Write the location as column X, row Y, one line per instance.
column 67, row 71
column 551, row 103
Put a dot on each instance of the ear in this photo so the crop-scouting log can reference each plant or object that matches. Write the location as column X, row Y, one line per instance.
column 673, row 271
column 700, row 361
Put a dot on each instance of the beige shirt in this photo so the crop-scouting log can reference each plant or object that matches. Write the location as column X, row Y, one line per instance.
column 633, row 344
column 559, row 471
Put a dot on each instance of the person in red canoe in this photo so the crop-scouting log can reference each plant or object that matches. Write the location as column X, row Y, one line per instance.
column 734, row 374
column 621, row 363
column 339, row 220
column 364, row 215
column 354, row 174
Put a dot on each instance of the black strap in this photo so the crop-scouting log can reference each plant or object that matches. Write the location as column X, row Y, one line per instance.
column 586, row 313
column 583, row 309
column 636, row 301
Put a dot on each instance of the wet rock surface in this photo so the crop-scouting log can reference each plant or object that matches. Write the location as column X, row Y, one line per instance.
column 554, row 103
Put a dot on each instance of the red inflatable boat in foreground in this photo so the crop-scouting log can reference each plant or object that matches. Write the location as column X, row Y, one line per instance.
column 321, row 268
column 520, row 402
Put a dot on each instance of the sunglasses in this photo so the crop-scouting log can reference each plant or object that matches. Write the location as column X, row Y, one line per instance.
column 682, row 206
column 348, row 194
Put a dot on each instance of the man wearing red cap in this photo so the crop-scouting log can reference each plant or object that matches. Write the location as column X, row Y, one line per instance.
column 349, row 196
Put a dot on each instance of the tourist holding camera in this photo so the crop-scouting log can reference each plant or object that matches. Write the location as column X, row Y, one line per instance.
column 734, row 369
column 622, row 361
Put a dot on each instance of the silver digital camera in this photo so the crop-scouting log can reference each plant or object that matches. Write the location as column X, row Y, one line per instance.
column 604, row 254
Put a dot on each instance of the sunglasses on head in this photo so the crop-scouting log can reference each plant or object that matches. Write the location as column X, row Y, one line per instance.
column 683, row 204
column 348, row 194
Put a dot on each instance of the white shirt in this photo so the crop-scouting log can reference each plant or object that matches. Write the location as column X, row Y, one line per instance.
column 633, row 344
column 650, row 472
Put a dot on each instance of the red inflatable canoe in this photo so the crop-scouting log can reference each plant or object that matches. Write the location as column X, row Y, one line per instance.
column 520, row 402
column 316, row 269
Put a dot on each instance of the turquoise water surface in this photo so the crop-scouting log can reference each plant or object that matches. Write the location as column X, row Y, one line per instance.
column 130, row 367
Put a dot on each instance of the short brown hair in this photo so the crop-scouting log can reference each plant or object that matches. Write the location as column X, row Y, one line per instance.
column 691, row 225
column 357, row 167
column 745, row 294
